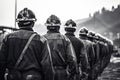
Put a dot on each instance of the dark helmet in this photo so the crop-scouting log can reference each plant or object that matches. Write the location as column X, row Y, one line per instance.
column 53, row 21
column 83, row 31
column 96, row 36
column 25, row 17
column 70, row 26
column 101, row 38
column 91, row 34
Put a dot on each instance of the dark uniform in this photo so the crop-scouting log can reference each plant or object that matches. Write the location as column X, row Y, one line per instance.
column 62, row 53
column 97, row 58
column 105, row 52
column 102, row 54
column 12, row 46
column 78, row 46
column 90, row 56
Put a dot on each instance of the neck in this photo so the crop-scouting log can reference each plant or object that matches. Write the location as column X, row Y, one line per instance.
column 53, row 32
column 83, row 37
column 70, row 33
column 30, row 29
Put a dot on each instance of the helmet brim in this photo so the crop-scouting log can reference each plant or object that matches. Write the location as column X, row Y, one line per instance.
column 52, row 24
column 18, row 20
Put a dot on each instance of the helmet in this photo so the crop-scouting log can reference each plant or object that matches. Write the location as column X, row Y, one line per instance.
column 53, row 21
column 97, row 36
column 26, row 18
column 70, row 26
column 26, row 15
column 101, row 38
column 83, row 31
column 91, row 34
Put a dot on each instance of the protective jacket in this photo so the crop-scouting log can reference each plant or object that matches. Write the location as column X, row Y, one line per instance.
column 63, row 56
column 12, row 47
column 80, row 53
column 90, row 55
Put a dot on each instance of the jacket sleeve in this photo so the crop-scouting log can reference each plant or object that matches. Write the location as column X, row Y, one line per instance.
column 3, row 58
column 71, row 60
column 84, row 60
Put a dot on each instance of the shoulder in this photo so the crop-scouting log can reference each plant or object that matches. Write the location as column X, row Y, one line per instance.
column 65, row 38
column 43, row 39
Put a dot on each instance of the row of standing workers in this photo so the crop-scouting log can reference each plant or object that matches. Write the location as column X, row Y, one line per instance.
column 26, row 55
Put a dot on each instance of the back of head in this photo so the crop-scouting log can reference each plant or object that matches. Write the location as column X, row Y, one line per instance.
column 70, row 26
column 53, row 23
column 26, row 18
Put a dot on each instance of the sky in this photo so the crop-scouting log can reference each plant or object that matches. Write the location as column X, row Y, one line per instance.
column 64, row 9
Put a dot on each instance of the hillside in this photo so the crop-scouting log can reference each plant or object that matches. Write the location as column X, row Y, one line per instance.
column 104, row 22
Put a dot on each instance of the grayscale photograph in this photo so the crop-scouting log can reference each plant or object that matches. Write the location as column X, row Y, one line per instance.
column 59, row 39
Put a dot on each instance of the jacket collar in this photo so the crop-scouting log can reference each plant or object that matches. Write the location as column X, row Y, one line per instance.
column 29, row 29
column 53, row 32
column 83, row 37
column 69, row 34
